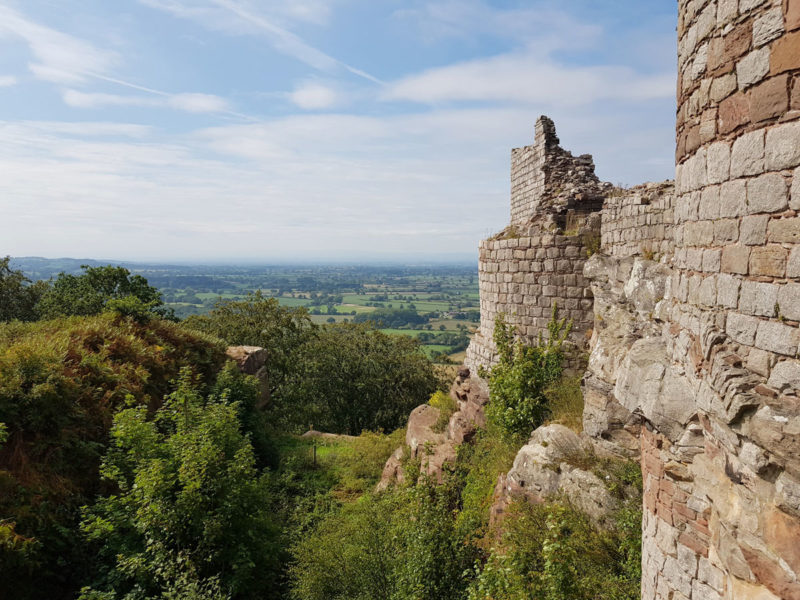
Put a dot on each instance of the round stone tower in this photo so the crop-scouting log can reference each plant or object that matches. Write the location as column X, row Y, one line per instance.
column 722, row 498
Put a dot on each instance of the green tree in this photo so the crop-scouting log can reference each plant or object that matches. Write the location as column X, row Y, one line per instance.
column 401, row 545
column 89, row 294
column 350, row 378
column 18, row 296
column 518, row 381
column 260, row 321
column 191, row 512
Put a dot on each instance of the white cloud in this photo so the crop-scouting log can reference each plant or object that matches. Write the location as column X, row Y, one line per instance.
column 7, row 80
column 295, row 187
column 312, row 95
column 60, row 58
column 529, row 77
column 469, row 18
column 78, row 99
column 198, row 103
column 239, row 18
column 193, row 103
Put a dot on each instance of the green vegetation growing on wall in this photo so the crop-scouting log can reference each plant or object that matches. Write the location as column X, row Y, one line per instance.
column 519, row 380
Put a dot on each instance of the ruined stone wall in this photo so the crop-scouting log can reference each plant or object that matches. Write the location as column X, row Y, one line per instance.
column 524, row 278
column 532, row 265
column 710, row 376
column 639, row 220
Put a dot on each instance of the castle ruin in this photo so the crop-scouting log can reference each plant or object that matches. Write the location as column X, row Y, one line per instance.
column 689, row 305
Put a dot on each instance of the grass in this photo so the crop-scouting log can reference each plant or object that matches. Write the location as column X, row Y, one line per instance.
column 566, row 403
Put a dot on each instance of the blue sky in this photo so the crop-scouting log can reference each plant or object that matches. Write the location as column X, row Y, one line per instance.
column 310, row 129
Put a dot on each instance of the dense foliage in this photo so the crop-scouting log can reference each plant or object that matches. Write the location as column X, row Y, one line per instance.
column 60, row 384
column 350, row 378
column 522, row 375
column 191, row 508
column 135, row 463
column 18, row 295
column 260, row 321
column 91, row 292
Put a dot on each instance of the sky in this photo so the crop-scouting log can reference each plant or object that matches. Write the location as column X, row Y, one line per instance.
column 301, row 130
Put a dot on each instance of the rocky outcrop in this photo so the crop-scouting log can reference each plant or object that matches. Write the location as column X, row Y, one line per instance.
column 252, row 360
column 434, row 448
column 556, row 462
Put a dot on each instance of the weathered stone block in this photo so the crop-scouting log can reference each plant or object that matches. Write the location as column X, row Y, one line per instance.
column 769, row 99
column 733, row 198
column 784, row 230
column 769, row 261
column 719, row 162
column 753, row 230
column 758, row 299
column 768, row 26
column 767, row 193
column 794, row 198
column 734, row 111
column 742, row 328
column 783, row 143
column 788, row 301
column 735, row 259
column 728, row 290
column 726, row 231
column 753, row 67
column 777, row 337
column 784, row 56
column 793, row 265
column 747, row 155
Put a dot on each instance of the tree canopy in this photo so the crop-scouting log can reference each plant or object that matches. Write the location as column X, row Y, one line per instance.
column 91, row 292
column 349, row 378
column 18, row 295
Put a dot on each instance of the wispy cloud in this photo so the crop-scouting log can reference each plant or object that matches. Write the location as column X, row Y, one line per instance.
column 7, row 80
column 467, row 19
column 313, row 95
column 58, row 57
column 247, row 20
column 529, row 77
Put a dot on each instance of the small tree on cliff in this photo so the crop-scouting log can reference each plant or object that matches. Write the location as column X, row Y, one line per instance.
column 517, row 383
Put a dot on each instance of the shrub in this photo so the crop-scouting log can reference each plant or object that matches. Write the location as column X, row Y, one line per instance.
column 191, row 511
column 61, row 382
column 517, row 383
column 565, row 399
column 446, row 405
column 350, row 378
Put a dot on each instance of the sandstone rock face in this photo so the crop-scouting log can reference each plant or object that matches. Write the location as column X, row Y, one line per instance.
column 252, row 360
column 435, row 449
column 553, row 463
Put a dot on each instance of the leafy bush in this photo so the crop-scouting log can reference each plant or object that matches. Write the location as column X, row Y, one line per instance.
column 351, row 378
column 89, row 294
column 190, row 511
column 18, row 295
column 552, row 552
column 260, row 321
column 61, row 382
column 401, row 545
column 517, row 383
column 446, row 405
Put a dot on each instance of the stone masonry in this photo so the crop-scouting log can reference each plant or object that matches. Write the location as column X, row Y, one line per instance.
column 695, row 299
column 537, row 262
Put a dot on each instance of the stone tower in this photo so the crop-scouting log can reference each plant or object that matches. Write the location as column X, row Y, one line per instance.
column 721, row 442
column 537, row 262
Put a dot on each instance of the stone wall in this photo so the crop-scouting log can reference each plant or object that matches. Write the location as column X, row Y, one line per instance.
column 639, row 220
column 524, row 278
column 533, row 265
column 546, row 180
column 694, row 359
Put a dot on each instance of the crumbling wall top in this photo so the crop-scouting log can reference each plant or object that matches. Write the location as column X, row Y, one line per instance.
column 547, row 181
